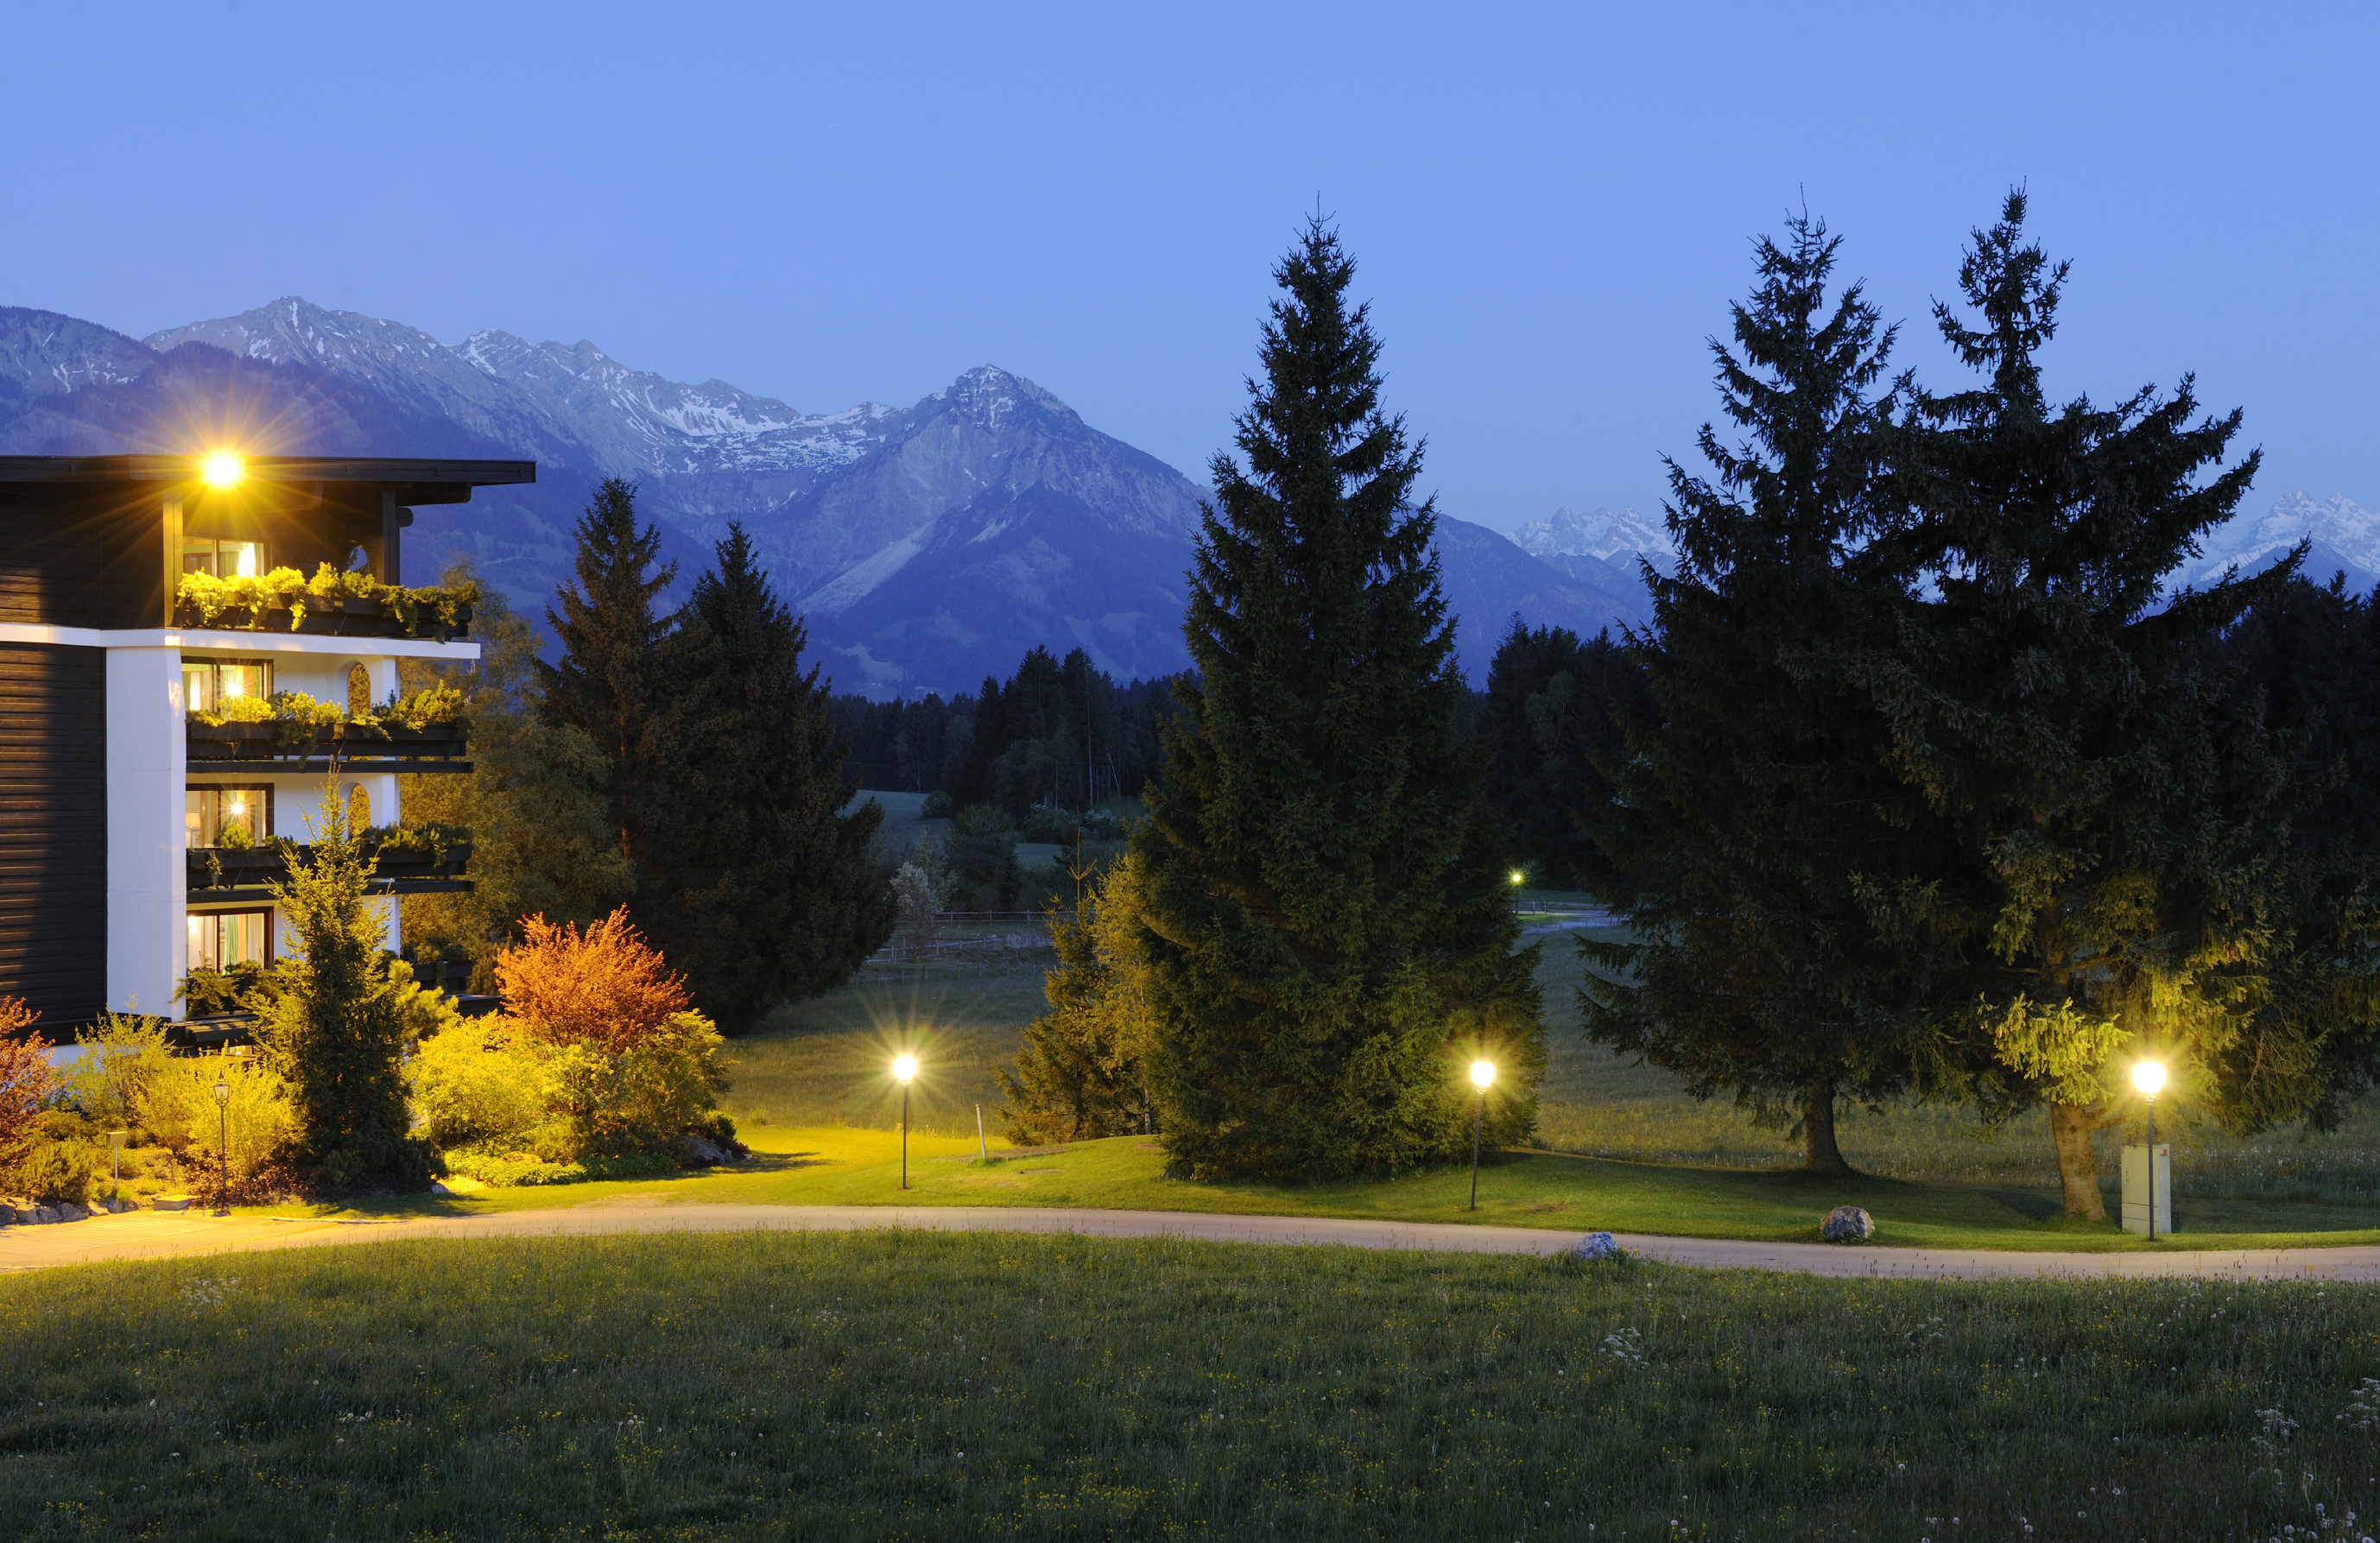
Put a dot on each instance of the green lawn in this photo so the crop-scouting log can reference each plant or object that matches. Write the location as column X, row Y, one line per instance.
column 856, row 1386
column 1624, row 1150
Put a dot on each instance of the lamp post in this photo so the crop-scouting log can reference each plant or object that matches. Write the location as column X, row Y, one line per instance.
column 1518, row 878
column 223, row 1145
column 2149, row 1078
column 1481, row 1074
column 904, row 1068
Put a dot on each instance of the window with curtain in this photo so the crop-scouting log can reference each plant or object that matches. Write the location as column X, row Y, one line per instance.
column 221, row 939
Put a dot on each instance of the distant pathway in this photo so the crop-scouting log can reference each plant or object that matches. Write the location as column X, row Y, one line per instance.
column 149, row 1234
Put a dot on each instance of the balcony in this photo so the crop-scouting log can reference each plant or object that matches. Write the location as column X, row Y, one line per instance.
column 409, row 865
column 331, row 604
column 291, row 746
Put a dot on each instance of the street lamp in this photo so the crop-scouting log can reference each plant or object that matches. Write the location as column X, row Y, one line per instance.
column 904, row 1067
column 223, row 1145
column 2149, row 1078
column 1481, row 1074
column 1518, row 878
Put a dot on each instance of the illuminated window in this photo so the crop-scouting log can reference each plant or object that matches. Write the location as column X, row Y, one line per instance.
column 221, row 559
column 222, row 938
column 208, row 813
column 206, row 684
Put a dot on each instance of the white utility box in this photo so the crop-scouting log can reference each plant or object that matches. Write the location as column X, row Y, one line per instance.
column 2139, row 1188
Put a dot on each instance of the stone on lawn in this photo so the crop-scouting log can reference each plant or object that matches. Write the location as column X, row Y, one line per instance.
column 1847, row 1224
column 702, row 1151
column 1597, row 1246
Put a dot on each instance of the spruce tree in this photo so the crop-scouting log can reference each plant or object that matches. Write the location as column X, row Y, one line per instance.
column 2108, row 890
column 337, row 1026
column 1755, row 792
column 765, row 890
column 1325, row 936
column 613, row 682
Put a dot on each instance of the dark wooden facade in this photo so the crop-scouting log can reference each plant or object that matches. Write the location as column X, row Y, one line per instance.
column 54, row 829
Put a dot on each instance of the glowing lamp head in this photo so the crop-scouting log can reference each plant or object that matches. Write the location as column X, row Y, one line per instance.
column 904, row 1068
column 1481, row 1074
column 1519, row 877
column 2149, row 1078
column 221, row 469
column 222, row 1091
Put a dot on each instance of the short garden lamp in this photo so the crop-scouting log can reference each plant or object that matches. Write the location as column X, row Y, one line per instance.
column 904, row 1067
column 2149, row 1078
column 223, row 1146
column 116, row 1154
column 1481, row 1074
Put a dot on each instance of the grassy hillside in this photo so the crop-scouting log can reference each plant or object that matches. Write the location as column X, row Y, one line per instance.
column 862, row 1387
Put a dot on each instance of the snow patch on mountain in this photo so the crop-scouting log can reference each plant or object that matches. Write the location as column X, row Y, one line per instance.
column 1601, row 534
column 2341, row 530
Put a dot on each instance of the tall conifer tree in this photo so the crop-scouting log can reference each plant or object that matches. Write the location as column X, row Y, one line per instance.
column 1325, row 932
column 613, row 682
column 1755, row 791
column 764, row 891
column 2108, row 892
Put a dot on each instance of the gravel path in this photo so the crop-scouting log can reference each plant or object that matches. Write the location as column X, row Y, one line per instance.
column 149, row 1234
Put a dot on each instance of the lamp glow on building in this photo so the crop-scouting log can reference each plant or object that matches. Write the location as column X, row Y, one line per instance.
column 904, row 1069
column 1481, row 1074
column 221, row 469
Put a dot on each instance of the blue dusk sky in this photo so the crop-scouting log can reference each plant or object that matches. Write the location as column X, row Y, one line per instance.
column 1550, row 206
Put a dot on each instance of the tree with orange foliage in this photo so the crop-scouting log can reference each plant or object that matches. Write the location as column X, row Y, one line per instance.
column 24, row 1078
column 605, row 988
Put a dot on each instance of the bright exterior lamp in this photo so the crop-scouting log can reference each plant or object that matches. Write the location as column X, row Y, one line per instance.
column 223, row 469
column 1481, row 1074
column 222, row 1126
column 2149, row 1076
column 904, row 1067
column 1518, row 878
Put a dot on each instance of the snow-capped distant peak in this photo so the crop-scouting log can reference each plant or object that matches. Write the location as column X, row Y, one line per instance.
column 2341, row 528
column 1600, row 534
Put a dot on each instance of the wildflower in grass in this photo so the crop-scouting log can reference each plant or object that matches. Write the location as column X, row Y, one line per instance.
column 2363, row 1411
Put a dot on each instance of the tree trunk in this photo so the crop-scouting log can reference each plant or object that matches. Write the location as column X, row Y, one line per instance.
column 1820, row 1153
column 2078, row 1166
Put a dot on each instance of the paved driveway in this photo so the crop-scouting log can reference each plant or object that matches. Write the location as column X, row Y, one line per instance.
column 150, row 1234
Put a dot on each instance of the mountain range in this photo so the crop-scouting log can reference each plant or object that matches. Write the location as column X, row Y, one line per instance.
column 926, row 546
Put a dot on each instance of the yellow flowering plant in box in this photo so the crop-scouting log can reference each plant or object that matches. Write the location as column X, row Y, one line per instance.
column 257, row 594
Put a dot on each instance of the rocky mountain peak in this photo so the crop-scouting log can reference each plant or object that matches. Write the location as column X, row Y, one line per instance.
column 1600, row 534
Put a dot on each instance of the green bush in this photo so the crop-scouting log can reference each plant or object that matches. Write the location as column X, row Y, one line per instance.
column 643, row 1098
column 935, row 807
column 58, row 1173
column 479, row 1085
column 120, row 1054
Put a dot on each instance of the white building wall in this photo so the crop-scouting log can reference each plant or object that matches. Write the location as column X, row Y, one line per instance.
column 148, row 877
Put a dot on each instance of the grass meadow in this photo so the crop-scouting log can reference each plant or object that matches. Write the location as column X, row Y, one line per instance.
column 824, row 1064
column 869, row 1386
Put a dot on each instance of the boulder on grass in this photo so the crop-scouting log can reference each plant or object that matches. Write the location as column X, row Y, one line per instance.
column 1597, row 1246
column 703, row 1153
column 1847, row 1224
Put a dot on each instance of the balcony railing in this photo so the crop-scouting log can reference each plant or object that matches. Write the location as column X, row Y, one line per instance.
column 229, row 874
column 284, row 745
